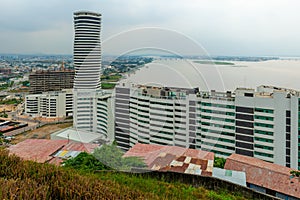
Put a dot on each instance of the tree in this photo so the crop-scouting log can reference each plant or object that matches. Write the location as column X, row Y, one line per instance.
column 107, row 157
column 112, row 156
column 85, row 162
column 26, row 83
column 219, row 162
column 295, row 173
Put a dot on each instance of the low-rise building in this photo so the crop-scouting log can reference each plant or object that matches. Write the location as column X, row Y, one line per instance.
column 49, row 151
column 266, row 177
column 172, row 158
column 50, row 104
column 232, row 176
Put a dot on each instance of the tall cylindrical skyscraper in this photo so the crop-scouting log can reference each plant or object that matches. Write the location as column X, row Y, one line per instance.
column 87, row 64
column 87, row 50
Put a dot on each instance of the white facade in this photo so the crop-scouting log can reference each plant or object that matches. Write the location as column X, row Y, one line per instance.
column 87, row 50
column 153, row 115
column 50, row 104
column 262, row 123
column 92, row 111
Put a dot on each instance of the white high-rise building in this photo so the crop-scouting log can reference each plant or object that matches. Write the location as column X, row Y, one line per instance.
column 92, row 111
column 263, row 124
column 87, row 50
column 92, row 107
column 87, row 64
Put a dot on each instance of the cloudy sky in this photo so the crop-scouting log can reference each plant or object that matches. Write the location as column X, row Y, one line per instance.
column 221, row 27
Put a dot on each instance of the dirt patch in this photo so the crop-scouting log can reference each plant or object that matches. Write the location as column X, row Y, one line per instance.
column 7, row 108
column 41, row 133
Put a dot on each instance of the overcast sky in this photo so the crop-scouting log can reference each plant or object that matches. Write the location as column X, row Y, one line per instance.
column 221, row 27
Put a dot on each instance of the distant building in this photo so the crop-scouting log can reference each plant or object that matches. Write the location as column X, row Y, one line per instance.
column 50, row 104
column 172, row 158
column 262, row 123
column 45, row 81
column 49, row 151
column 5, row 71
column 266, row 177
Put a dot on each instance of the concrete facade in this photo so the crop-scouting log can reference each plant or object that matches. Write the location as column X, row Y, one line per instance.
column 45, row 81
column 261, row 123
column 50, row 104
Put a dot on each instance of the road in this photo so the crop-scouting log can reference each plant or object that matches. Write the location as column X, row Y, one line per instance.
column 32, row 124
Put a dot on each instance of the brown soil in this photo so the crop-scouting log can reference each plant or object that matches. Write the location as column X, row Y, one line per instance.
column 41, row 133
column 7, row 108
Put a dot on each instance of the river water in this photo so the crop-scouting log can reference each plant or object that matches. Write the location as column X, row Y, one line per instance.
column 187, row 73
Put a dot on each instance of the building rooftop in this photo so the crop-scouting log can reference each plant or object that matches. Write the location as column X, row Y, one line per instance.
column 50, row 151
column 236, row 177
column 172, row 158
column 76, row 135
column 39, row 150
column 265, row 174
column 71, row 150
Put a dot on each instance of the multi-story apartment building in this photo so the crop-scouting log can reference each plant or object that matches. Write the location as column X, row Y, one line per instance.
column 93, row 112
column 262, row 123
column 44, row 81
column 50, row 104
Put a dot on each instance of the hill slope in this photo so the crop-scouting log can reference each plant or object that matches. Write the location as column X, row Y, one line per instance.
column 29, row 180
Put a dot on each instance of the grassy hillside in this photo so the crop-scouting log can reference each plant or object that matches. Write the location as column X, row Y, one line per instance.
column 29, row 180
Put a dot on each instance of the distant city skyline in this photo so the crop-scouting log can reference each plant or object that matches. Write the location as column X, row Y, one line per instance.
column 228, row 27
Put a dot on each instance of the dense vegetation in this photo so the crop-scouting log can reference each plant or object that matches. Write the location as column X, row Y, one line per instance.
column 3, row 115
column 219, row 162
column 85, row 162
column 29, row 180
column 10, row 101
column 8, row 84
column 108, row 157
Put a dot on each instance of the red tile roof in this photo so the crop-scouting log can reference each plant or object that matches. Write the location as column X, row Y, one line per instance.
column 73, row 146
column 76, row 146
column 158, row 157
column 265, row 174
column 38, row 150
column 199, row 154
column 42, row 150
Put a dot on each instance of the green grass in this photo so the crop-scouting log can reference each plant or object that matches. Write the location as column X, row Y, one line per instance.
column 109, row 81
column 165, row 190
column 108, row 85
column 111, row 78
column 213, row 62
